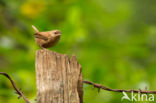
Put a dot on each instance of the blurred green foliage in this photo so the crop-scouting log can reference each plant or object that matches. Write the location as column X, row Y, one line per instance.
column 113, row 40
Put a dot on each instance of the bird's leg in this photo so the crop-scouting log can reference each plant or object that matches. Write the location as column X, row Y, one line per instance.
column 41, row 46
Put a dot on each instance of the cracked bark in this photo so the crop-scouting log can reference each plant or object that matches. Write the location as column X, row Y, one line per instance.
column 58, row 79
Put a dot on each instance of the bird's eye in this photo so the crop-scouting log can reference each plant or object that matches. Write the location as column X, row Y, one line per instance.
column 55, row 32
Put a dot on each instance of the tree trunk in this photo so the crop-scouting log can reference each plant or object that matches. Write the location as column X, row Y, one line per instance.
column 59, row 80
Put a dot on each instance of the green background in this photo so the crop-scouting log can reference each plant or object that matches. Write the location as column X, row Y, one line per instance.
column 113, row 40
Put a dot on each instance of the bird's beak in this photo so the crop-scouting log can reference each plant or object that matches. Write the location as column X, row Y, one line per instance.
column 59, row 34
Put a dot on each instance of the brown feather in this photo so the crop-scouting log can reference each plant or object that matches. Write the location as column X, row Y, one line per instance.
column 48, row 38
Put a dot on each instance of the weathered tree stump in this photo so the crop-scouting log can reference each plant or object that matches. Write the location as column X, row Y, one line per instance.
column 59, row 80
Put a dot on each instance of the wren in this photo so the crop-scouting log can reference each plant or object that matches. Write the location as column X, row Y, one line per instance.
column 46, row 39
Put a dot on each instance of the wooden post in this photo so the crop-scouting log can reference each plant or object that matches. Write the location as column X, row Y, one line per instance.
column 59, row 80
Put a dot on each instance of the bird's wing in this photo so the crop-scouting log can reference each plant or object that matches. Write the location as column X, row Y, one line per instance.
column 38, row 35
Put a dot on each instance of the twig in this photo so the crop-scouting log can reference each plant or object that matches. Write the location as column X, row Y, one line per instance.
column 15, row 87
column 99, row 86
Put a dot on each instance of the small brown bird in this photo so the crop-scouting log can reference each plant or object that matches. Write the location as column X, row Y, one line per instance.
column 48, row 38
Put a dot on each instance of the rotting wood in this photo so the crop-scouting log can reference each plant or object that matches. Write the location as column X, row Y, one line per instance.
column 58, row 79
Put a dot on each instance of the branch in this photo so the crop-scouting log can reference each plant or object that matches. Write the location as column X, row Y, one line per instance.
column 15, row 87
column 99, row 86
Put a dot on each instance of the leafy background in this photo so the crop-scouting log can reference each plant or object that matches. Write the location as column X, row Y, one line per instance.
column 113, row 40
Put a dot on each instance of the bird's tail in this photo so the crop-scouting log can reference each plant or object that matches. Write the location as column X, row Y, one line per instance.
column 35, row 29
